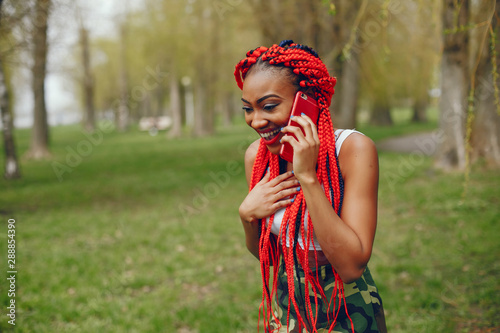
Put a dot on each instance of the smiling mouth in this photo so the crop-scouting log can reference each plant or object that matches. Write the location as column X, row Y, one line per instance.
column 271, row 136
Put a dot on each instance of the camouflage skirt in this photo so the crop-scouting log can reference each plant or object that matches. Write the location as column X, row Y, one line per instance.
column 364, row 304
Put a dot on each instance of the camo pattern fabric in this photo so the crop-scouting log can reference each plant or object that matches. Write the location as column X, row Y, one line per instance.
column 364, row 304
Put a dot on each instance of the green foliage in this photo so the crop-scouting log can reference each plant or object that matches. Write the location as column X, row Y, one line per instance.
column 458, row 29
column 198, row 39
column 332, row 9
column 398, row 52
column 143, row 236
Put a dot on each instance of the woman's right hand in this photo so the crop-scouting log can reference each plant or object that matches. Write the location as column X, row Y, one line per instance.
column 268, row 196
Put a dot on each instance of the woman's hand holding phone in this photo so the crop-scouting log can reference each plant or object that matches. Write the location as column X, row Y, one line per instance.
column 301, row 145
column 305, row 146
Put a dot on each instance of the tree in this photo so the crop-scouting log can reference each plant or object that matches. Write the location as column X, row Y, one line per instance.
column 12, row 169
column 425, row 48
column 204, row 60
column 88, row 81
column 379, row 91
column 485, row 128
column 175, row 106
column 454, row 86
column 232, row 41
column 169, row 42
column 381, row 31
column 346, row 63
column 123, row 107
column 106, row 73
column 331, row 29
column 40, row 135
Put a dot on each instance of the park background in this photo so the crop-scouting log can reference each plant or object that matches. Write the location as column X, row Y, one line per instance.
column 122, row 226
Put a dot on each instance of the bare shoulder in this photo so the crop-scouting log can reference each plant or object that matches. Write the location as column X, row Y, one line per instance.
column 358, row 154
column 357, row 143
column 251, row 152
column 250, row 155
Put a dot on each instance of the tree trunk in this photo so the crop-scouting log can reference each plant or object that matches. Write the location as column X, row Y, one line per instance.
column 381, row 113
column 203, row 111
column 175, row 107
column 203, row 106
column 454, row 87
column 381, row 107
column 199, row 105
column 227, row 106
column 269, row 23
column 40, row 135
column 188, row 101
column 345, row 100
column 88, row 82
column 145, row 108
column 12, row 170
column 485, row 137
column 123, row 106
column 204, row 86
column 346, row 66
column 419, row 110
column 160, row 101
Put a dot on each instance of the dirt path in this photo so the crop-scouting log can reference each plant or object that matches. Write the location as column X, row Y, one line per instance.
column 425, row 143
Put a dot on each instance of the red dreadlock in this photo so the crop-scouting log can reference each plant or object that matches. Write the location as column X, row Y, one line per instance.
column 310, row 72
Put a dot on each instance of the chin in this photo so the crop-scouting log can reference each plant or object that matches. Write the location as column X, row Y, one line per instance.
column 274, row 148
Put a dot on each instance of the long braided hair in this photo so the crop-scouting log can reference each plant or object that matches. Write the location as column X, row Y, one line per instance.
column 308, row 72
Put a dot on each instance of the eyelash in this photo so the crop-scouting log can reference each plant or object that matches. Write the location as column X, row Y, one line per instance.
column 267, row 107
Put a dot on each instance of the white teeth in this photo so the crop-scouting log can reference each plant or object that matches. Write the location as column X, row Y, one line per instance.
column 269, row 134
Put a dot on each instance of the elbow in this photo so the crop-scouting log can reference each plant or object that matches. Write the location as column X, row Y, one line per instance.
column 351, row 269
column 353, row 274
column 253, row 250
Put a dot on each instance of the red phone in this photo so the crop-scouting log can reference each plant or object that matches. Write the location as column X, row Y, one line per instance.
column 302, row 103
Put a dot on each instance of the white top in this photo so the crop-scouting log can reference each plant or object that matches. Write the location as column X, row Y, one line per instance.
column 340, row 136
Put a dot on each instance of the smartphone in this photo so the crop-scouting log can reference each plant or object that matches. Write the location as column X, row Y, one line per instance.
column 302, row 103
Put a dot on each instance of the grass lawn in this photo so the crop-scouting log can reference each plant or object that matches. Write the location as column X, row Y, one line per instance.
column 141, row 234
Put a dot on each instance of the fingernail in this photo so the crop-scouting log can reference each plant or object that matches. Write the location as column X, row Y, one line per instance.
column 302, row 114
column 281, row 128
column 292, row 172
column 298, row 188
column 293, row 200
column 291, row 116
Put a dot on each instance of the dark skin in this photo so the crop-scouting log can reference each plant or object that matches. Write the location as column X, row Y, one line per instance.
column 346, row 241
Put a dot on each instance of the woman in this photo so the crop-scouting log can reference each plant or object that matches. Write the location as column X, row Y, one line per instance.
column 327, row 197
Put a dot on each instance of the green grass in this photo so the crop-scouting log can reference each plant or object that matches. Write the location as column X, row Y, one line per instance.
column 143, row 236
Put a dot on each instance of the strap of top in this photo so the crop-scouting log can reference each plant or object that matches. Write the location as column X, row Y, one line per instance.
column 340, row 136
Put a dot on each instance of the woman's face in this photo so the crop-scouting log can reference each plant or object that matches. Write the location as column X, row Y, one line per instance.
column 267, row 102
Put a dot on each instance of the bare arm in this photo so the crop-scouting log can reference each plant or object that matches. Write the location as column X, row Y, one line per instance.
column 347, row 240
column 250, row 226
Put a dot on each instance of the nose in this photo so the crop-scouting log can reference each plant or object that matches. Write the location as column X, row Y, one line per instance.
column 258, row 121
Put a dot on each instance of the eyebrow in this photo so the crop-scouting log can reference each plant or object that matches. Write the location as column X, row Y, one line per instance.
column 262, row 98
